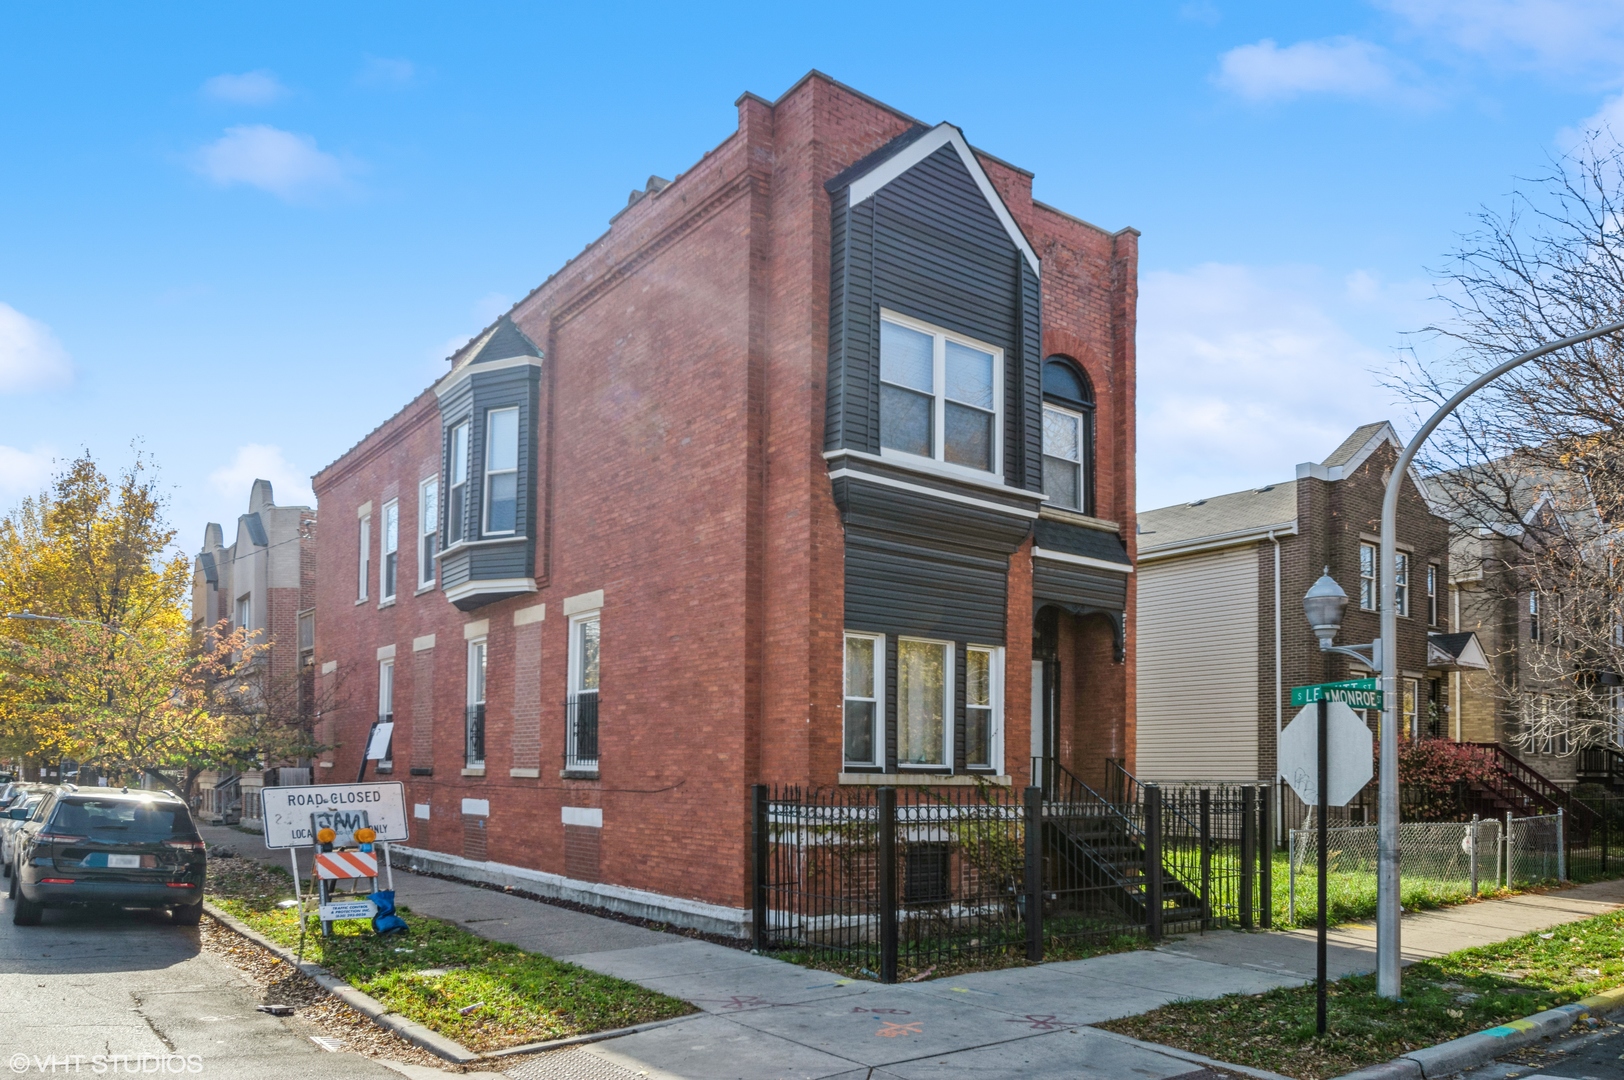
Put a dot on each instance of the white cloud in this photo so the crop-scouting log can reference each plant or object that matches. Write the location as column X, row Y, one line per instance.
column 290, row 486
column 1244, row 372
column 384, row 73
column 1341, row 65
column 30, row 356
column 280, row 162
column 1555, row 34
column 250, row 88
column 1607, row 119
column 24, row 472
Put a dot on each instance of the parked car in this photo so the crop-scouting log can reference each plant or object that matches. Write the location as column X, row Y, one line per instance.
column 103, row 846
column 15, row 812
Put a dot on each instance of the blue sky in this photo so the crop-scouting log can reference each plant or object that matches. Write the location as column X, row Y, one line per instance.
column 244, row 239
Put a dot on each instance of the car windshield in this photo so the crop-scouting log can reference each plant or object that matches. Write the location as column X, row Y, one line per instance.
column 122, row 819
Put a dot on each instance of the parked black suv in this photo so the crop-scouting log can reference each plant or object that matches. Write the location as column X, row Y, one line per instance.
column 108, row 846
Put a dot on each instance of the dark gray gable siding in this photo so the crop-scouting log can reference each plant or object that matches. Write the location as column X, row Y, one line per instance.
column 1079, row 540
column 928, row 245
column 1078, row 588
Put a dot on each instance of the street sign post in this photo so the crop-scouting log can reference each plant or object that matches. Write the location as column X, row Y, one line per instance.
column 1327, row 758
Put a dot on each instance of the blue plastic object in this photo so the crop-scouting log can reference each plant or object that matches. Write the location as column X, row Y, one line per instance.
column 386, row 922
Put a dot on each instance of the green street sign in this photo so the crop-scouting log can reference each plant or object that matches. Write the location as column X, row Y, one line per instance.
column 1355, row 693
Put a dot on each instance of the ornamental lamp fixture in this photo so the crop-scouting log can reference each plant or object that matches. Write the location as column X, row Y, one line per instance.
column 1323, row 605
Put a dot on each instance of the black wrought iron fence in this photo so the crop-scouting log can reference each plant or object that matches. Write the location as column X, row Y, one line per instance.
column 887, row 879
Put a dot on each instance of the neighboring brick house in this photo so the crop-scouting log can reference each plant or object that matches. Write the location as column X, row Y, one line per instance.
column 772, row 483
column 265, row 582
column 1222, row 636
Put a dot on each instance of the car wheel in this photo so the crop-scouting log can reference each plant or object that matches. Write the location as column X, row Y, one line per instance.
column 187, row 914
column 25, row 912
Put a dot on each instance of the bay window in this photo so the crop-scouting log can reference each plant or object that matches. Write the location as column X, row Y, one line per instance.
column 864, row 683
column 501, row 471
column 939, row 395
column 924, row 711
column 456, row 510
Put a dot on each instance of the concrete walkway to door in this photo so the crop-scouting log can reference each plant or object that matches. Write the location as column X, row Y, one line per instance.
column 763, row 1018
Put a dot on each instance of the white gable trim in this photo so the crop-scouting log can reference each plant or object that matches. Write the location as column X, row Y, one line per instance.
column 921, row 148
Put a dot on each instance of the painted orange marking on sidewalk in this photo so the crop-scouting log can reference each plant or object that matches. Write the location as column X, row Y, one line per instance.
column 890, row 1029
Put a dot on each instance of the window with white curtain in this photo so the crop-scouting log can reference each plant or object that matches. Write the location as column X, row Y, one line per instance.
column 924, row 703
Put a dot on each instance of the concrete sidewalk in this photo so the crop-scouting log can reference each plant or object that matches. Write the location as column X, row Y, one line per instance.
column 764, row 1018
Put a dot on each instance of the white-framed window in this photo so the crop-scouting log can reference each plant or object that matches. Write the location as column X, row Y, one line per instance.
column 939, row 395
column 1068, row 434
column 984, row 707
column 390, row 571
column 501, row 471
column 475, row 741
column 364, row 566
column 1369, row 593
column 245, row 611
column 428, row 526
column 386, row 705
column 864, row 694
column 457, row 508
column 1432, row 594
column 924, row 703
column 1533, row 615
column 581, row 733
column 1401, row 584
column 1412, row 707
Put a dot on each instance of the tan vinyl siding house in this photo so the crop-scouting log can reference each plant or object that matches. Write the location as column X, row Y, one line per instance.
column 1198, row 691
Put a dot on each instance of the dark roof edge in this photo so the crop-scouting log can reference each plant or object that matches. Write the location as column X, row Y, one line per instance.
column 1040, row 204
column 874, row 158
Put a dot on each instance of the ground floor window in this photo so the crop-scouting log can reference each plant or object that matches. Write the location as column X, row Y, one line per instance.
column 475, row 742
column 983, row 702
column 864, row 685
column 924, row 709
column 1411, row 718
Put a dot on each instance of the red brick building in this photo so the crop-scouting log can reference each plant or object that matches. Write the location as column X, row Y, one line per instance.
column 814, row 468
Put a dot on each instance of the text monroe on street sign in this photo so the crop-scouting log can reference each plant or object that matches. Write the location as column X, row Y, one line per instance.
column 1354, row 693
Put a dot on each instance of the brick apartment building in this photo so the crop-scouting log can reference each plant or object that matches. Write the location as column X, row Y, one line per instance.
column 815, row 468
column 1222, row 636
column 264, row 581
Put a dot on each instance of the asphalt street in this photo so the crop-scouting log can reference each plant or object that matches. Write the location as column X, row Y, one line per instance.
column 98, row 993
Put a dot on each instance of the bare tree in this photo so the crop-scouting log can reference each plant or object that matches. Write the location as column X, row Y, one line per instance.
column 1531, row 469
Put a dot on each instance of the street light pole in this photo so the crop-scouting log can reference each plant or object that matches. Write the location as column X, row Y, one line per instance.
column 1387, row 880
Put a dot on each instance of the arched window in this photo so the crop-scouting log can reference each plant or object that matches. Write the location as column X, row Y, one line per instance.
column 1068, row 435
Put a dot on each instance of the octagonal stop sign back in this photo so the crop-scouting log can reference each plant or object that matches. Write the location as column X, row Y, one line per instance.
column 1351, row 760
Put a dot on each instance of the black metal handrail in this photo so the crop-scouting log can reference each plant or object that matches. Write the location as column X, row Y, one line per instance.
column 581, row 731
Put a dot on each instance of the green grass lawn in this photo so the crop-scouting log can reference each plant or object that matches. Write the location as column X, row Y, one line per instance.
column 1443, row 999
column 431, row 974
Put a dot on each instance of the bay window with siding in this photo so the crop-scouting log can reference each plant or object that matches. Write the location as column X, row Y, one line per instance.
column 983, row 708
column 501, row 471
column 864, row 692
column 457, row 504
column 939, row 395
column 924, row 704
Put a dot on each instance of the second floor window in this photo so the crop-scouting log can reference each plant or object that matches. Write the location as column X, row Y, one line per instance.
column 502, row 471
column 245, row 611
column 428, row 522
column 1432, row 594
column 1068, row 436
column 364, row 564
column 939, row 395
column 456, row 509
column 1533, row 616
column 1368, row 594
column 391, row 548
column 1401, row 583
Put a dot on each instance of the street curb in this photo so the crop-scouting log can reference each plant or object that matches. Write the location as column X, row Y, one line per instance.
column 369, row 1006
column 1468, row 1051
column 1190, row 1055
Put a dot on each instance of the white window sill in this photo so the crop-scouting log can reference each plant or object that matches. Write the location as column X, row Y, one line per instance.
column 477, row 770
column 1077, row 517
column 327, row 764
column 386, row 602
column 482, row 542
column 920, row 779
column 525, row 774
column 941, row 468
column 421, row 589
column 361, row 601
column 385, row 768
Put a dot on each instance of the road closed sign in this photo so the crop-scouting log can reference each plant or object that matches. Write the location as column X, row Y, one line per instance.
column 288, row 810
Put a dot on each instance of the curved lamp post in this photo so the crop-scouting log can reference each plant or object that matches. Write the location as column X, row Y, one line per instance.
column 1387, row 896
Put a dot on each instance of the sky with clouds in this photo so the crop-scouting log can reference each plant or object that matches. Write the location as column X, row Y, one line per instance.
column 241, row 239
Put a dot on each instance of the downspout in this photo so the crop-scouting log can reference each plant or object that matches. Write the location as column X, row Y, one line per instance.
column 1279, row 701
